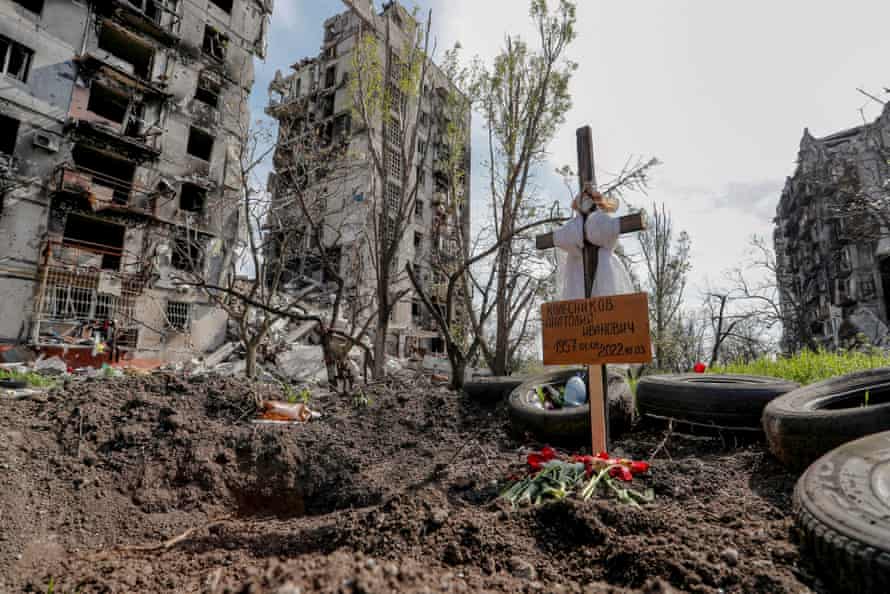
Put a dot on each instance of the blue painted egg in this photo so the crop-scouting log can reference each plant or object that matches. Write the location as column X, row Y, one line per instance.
column 576, row 392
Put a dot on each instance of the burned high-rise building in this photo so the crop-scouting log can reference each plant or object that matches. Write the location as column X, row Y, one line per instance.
column 832, row 239
column 120, row 128
column 317, row 98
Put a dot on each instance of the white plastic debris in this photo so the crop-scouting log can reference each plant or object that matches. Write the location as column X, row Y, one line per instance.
column 51, row 366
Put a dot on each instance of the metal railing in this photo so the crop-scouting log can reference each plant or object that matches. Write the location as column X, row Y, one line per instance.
column 81, row 284
column 157, row 13
column 102, row 190
column 79, row 254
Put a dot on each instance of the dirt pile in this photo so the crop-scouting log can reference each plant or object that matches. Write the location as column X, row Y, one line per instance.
column 97, row 463
column 395, row 490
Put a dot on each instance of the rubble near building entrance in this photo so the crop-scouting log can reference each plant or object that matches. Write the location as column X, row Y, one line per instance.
column 316, row 99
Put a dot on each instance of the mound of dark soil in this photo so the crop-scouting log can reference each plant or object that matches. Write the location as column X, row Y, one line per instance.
column 162, row 484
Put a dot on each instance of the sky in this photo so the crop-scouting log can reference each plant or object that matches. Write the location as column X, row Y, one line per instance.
column 719, row 91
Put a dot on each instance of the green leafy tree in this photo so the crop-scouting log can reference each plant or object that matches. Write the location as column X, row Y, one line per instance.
column 523, row 96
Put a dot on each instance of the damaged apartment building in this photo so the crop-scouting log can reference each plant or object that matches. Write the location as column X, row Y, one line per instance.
column 316, row 97
column 832, row 239
column 120, row 127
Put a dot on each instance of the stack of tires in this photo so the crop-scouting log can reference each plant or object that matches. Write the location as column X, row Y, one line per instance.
column 837, row 432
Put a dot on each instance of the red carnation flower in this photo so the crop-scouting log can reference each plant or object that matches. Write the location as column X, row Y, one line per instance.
column 639, row 467
column 622, row 473
column 537, row 459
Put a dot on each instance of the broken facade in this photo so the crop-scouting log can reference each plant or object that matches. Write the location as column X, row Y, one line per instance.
column 832, row 239
column 317, row 96
column 121, row 122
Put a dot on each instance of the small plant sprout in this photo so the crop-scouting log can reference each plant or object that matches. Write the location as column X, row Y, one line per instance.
column 289, row 394
column 294, row 397
column 33, row 379
column 361, row 400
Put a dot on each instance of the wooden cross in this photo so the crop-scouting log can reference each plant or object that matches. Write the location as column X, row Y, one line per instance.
column 597, row 378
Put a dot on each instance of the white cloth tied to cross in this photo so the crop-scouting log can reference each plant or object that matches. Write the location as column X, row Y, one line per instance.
column 603, row 231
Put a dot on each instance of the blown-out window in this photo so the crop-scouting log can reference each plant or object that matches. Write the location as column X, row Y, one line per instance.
column 215, row 43
column 127, row 47
column 107, row 103
column 9, row 133
column 200, row 144
column 188, row 254
column 209, row 88
column 15, row 59
column 192, row 198
column 225, row 5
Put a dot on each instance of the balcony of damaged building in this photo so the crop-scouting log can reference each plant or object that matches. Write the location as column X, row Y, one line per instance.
column 111, row 291
column 157, row 19
column 115, row 124
column 114, row 129
column 89, row 282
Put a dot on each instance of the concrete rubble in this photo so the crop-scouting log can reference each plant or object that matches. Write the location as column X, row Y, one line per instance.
column 290, row 354
column 51, row 366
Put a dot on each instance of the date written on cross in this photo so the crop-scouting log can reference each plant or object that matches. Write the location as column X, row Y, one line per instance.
column 596, row 331
column 604, row 351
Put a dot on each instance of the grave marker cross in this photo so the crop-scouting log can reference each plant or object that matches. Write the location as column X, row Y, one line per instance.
column 597, row 377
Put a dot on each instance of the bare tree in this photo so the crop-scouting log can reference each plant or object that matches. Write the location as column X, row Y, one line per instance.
column 747, row 343
column 666, row 260
column 390, row 68
column 751, row 297
column 318, row 236
column 690, row 342
column 259, row 285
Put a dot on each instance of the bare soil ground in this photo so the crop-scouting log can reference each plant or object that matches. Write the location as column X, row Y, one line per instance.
column 162, row 484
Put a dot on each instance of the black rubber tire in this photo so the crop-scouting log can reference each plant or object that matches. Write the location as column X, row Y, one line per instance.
column 734, row 401
column 568, row 426
column 12, row 384
column 843, row 518
column 492, row 389
column 801, row 426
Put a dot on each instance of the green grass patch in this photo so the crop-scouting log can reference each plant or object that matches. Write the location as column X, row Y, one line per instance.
column 808, row 367
column 35, row 380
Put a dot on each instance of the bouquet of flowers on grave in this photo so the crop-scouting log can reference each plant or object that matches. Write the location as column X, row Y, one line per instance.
column 552, row 477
